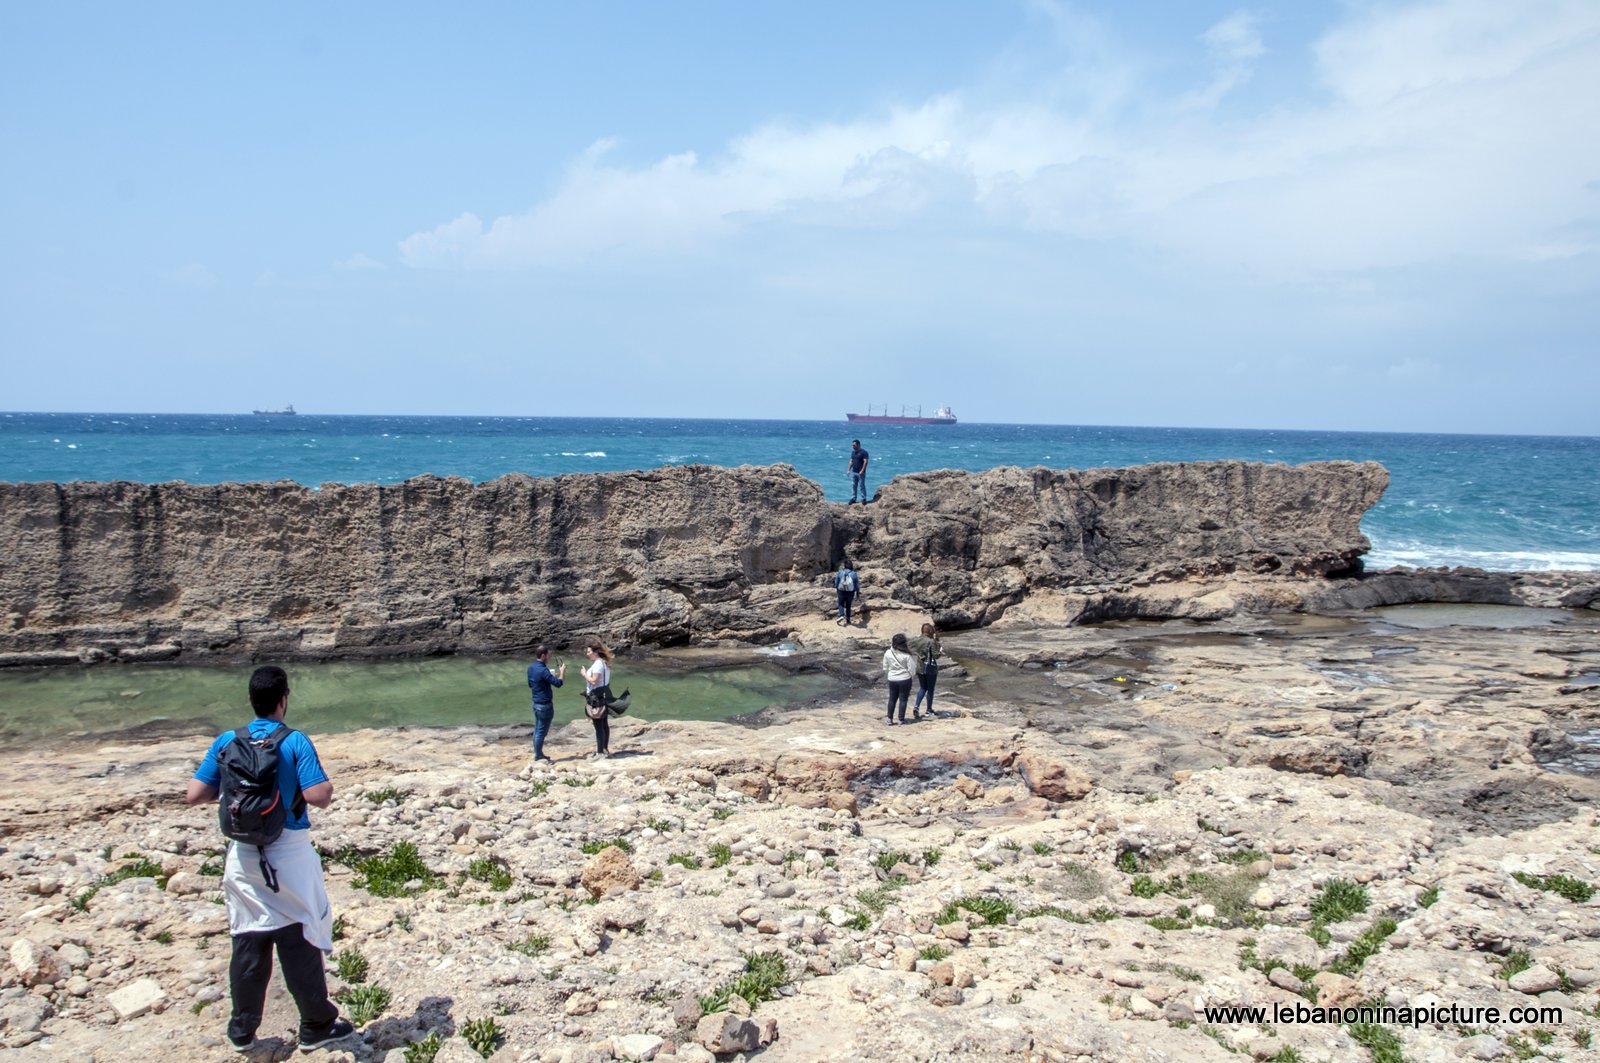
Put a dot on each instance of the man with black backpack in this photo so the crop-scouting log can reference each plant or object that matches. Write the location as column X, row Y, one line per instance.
column 263, row 776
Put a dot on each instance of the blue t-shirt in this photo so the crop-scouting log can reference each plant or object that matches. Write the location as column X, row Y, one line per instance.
column 297, row 762
column 540, row 680
column 858, row 460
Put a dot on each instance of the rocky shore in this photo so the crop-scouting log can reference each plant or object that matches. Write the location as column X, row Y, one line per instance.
column 1146, row 821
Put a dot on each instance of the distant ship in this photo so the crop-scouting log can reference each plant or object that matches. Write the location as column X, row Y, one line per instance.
column 942, row 415
column 287, row 411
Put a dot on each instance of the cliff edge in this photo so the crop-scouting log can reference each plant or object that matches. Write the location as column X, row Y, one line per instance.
column 671, row 555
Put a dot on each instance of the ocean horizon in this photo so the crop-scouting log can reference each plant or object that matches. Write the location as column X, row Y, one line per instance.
column 1496, row 502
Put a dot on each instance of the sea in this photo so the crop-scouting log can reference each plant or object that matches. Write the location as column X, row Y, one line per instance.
column 1501, row 503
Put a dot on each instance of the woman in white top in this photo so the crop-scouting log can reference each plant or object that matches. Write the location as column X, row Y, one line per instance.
column 898, row 668
column 596, row 676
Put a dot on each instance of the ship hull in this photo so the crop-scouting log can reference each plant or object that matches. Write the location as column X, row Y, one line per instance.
column 870, row 418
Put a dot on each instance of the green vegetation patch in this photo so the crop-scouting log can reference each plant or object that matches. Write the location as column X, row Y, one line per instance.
column 765, row 975
column 688, row 860
column 351, row 965
column 484, row 1035
column 140, row 868
column 590, row 848
column 388, row 793
column 991, row 911
column 1363, row 947
column 424, row 1050
column 364, row 1003
column 492, row 870
column 1379, row 1041
column 532, row 945
column 1337, row 900
column 400, row 874
column 1573, row 889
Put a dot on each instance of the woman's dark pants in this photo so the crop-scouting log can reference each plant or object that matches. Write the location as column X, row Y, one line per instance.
column 899, row 690
column 602, row 733
column 846, row 598
column 251, row 969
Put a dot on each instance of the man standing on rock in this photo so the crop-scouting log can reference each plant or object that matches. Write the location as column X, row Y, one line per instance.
column 858, row 470
column 279, row 901
column 541, row 680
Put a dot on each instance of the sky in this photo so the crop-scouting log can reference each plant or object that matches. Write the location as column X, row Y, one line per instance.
column 1318, row 214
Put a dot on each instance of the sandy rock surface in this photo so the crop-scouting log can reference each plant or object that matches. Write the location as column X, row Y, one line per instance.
column 1130, row 825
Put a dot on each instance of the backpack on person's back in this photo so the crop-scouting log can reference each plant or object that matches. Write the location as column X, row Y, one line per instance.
column 250, row 806
column 847, row 581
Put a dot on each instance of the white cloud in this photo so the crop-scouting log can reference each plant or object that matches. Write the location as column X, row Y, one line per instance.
column 1234, row 43
column 1461, row 128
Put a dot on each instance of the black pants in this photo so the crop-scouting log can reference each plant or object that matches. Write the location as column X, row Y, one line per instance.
column 251, row 969
column 602, row 733
column 899, row 690
column 846, row 600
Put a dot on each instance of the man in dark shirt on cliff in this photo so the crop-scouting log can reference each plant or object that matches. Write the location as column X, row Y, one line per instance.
column 541, row 680
column 858, row 470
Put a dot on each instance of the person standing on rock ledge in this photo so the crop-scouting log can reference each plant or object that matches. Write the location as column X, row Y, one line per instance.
column 898, row 667
column 280, row 902
column 541, row 681
column 858, row 470
column 926, row 648
column 597, row 695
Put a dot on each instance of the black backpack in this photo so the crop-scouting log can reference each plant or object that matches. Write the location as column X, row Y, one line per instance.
column 250, row 807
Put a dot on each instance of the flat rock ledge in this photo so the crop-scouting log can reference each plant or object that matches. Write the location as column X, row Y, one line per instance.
column 818, row 888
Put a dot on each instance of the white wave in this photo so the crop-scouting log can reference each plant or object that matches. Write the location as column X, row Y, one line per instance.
column 1425, row 556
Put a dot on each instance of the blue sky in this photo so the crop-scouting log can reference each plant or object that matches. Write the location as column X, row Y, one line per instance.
column 1297, row 215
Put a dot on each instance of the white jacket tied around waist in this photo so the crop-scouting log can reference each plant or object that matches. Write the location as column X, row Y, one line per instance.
column 301, row 897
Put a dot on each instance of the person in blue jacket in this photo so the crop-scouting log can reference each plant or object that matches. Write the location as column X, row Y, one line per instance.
column 541, row 681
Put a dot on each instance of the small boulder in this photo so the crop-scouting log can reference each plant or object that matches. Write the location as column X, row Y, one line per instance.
column 724, row 1034
column 610, row 871
column 1536, row 979
column 136, row 998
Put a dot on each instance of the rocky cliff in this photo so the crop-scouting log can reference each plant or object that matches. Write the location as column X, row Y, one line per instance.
column 141, row 572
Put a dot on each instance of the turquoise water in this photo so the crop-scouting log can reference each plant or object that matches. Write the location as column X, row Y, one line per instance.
column 1495, row 502
column 40, row 706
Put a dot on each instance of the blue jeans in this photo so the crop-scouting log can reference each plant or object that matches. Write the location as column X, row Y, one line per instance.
column 858, row 482
column 925, row 683
column 543, row 717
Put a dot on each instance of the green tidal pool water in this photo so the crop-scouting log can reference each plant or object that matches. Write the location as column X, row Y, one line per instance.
column 129, row 702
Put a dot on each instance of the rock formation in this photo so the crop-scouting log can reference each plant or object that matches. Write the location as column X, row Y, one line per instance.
column 678, row 554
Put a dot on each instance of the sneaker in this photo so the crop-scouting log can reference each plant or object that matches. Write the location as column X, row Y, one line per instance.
column 337, row 1032
column 243, row 1046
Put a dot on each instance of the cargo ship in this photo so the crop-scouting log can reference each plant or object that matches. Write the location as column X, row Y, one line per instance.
column 287, row 411
column 942, row 415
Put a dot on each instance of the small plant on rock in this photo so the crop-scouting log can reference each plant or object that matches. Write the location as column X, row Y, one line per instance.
column 491, row 870
column 365, row 1003
column 592, row 847
column 532, row 945
column 1573, row 889
column 424, row 1050
column 688, row 860
column 721, row 855
column 400, row 874
column 991, row 911
column 1338, row 900
column 764, row 975
column 484, row 1035
column 1429, row 896
column 388, row 793
column 351, row 965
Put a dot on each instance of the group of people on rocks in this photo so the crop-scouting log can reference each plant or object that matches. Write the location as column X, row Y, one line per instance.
column 903, row 660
